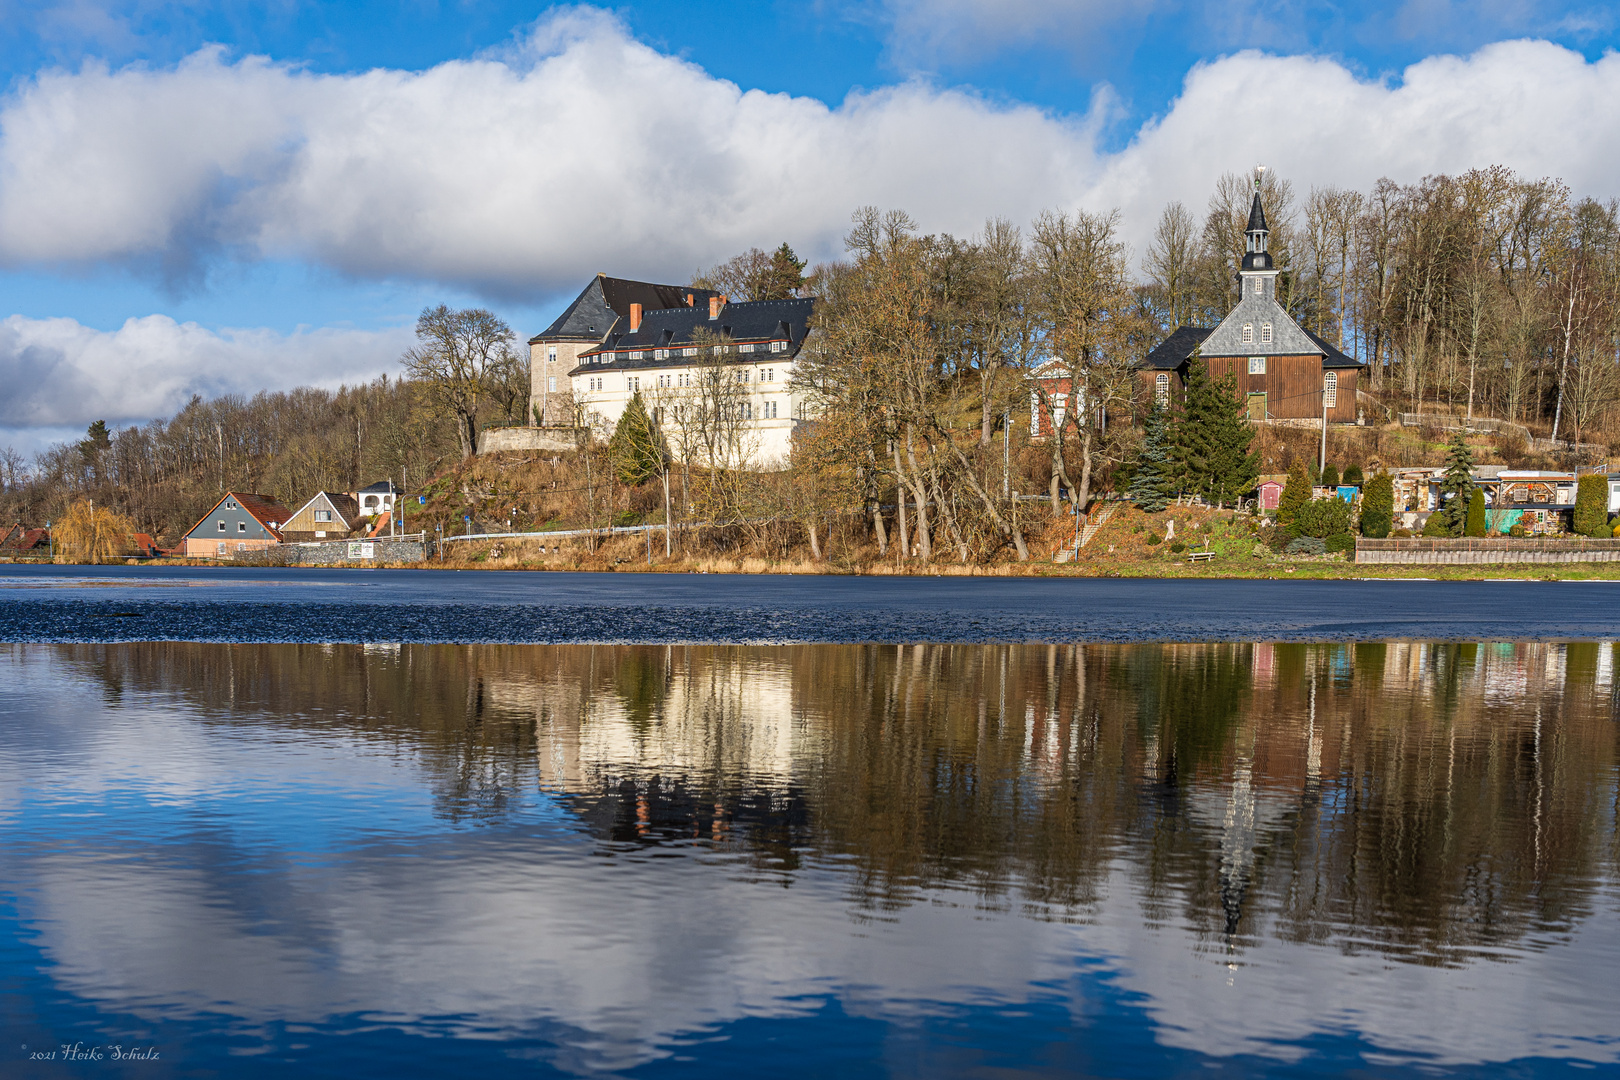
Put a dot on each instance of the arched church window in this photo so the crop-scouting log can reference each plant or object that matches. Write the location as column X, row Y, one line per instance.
column 1330, row 389
column 1248, row 333
column 1161, row 388
column 1265, row 334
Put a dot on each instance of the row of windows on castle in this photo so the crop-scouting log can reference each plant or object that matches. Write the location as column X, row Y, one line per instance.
column 678, row 380
column 1257, row 366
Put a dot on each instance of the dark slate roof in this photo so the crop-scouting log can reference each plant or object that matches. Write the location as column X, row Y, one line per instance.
column 752, row 321
column 1332, row 357
column 381, row 487
column 1173, row 351
column 1257, row 216
column 607, row 299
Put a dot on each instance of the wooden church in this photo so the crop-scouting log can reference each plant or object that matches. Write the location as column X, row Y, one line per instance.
column 1282, row 370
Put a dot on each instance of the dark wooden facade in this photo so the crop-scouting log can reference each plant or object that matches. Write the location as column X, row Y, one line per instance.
column 1292, row 386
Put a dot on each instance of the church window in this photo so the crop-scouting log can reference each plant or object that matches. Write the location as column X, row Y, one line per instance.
column 1330, row 390
column 1161, row 388
column 1248, row 333
column 1257, row 365
column 1265, row 334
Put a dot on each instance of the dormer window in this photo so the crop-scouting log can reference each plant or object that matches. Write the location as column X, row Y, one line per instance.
column 1265, row 334
column 1248, row 333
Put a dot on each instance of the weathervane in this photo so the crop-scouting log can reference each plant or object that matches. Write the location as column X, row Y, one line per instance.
column 1259, row 171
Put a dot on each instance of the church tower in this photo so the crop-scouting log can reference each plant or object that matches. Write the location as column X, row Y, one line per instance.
column 1258, row 273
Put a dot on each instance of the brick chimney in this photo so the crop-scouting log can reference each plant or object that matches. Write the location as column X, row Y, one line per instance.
column 635, row 317
column 714, row 306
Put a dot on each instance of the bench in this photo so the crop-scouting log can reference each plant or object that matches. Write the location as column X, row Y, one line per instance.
column 1200, row 556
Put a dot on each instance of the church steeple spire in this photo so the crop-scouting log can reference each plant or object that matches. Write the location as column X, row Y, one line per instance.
column 1256, row 257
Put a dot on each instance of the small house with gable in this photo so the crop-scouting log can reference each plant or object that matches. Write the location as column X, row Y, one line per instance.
column 240, row 522
column 1282, row 370
column 327, row 516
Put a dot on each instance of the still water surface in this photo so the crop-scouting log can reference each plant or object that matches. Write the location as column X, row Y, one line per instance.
column 518, row 860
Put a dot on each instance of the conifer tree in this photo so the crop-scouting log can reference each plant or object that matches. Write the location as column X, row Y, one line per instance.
column 1330, row 476
column 1212, row 439
column 1353, row 475
column 1476, row 514
column 637, row 449
column 1591, row 517
column 1153, row 483
column 1296, row 493
column 1378, row 506
column 1457, row 486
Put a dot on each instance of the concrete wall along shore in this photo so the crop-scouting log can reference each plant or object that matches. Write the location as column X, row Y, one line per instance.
column 1484, row 551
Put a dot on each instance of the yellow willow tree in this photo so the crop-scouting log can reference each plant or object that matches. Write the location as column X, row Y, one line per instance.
column 91, row 534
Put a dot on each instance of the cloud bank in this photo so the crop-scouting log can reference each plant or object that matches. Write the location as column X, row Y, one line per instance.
column 58, row 373
column 579, row 149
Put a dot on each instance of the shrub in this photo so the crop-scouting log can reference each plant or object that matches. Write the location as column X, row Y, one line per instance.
column 1261, row 550
column 1322, row 518
column 1378, row 507
column 1340, row 542
column 1352, row 475
column 1277, row 540
column 1592, row 506
column 1400, row 534
column 1178, row 547
column 1437, row 525
column 1476, row 514
column 1155, row 538
column 1306, row 545
column 1517, row 529
column 1330, row 476
column 1616, row 531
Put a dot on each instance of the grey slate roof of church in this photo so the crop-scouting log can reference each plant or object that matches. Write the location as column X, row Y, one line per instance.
column 606, row 300
column 1174, row 350
column 1257, row 216
column 750, row 321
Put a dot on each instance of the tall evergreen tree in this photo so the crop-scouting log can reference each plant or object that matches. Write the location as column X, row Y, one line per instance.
column 1591, row 517
column 1295, row 494
column 1212, row 439
column 1378, row 506
column 1476, row 514
column 1154, row 481
column 637, row 448
column 1457, row 486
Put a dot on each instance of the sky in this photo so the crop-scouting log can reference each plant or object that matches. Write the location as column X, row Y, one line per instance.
column 221, row 197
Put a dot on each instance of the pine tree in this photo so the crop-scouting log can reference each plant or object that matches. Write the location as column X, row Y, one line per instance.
column 784, row 277
column 1457, row 486
column 1330, row 476
column 1476, row 514
column 1153, row 483
column 637, row 449
column 1378, row 507
column 1211, row 439
column 1295, row 494
column 1352, row 475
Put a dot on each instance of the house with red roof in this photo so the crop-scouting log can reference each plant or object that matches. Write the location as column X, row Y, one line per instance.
column 240, row 522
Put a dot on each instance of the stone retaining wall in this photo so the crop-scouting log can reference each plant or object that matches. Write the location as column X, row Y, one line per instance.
column 549, row 440
column 1482, row 551
column 339, row 552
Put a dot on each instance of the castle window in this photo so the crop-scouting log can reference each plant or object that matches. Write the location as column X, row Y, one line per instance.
column 551, row 384
column 1161, row 388
column 1257, row 365
column 1330, row 390
column 1248, row 333
column 1265, row 334
column 551, row 355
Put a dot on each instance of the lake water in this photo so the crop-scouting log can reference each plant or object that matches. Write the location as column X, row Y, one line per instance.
column 916, row 860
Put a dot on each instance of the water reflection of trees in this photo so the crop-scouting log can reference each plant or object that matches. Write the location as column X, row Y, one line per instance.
column 1429, row 801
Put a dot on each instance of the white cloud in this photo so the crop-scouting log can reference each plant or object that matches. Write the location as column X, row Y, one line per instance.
column 60, row 374
column 582, row 150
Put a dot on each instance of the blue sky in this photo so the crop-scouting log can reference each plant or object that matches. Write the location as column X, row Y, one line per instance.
column 301, row 208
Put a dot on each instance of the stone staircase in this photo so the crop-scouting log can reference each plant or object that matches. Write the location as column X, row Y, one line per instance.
column 1093, row 526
